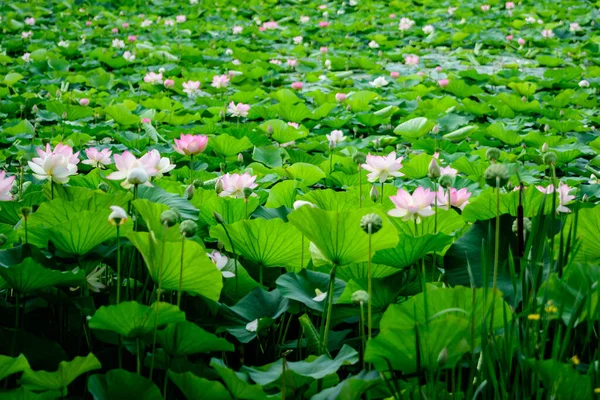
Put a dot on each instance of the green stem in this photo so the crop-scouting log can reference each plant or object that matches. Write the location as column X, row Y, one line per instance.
column 17, row 323
column 362, row 333
column 329, row 307
column 370, row 286
column 139, row 362
column 496, row 251
column 381, row 196
column 359, row 187
column 51, row 189
column 191, row 169
column 158, row 295
column 181, row 272
column 119, row 284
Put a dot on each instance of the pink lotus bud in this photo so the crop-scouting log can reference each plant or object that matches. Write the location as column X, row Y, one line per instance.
column 323, row 24
column 521, row 41
column 131, row 38
column 125, row 25
column 169, row 83
column 146, row 120
column 443, row 82
column 88, row 23
column 262, row 29
column 392, row 16
column 394, row 74
column 420, row 73
column 115, row 30
column 323, row 49
column 438, row 68
column 509, row 37
column 297, row 85
column 340, row 97
column 84, row 102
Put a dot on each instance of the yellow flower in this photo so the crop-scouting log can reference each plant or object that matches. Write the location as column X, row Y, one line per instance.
column 533, row 317
column 575, row 360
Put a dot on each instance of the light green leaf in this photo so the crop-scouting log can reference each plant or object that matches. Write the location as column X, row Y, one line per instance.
column 67, row 372
column 29, row 276
column 186, row 338
column 414, row 128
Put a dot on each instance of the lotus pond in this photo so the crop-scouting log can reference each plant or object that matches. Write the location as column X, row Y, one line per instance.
column 299, row 200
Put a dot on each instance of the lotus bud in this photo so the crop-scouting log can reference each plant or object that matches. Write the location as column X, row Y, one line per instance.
column 270, row 129
column 544, row 147
column 222, row 114
column 435, row 129
column 219, row 186
column 34, row 109
column 137, row 176
column 302, row 203
column 118, row 216
column 434, row 169
column 189, row 192
column 492, row 154
column 377, row 142
column 218, row 217
column 374, row 194
column 58, row 94
column 3, row 239
column 240, row 158
column 359, row 158
column 446, row 181
column 188, row 228
column 168, row 218
column 442, row 357
column 371, row 223
column 562, row 113
column 524, row 99
column 25, row 211
column 360, row 297
column 585, row 198
column 549, row 158
column 103, row 186
column 64, row 115
column 496, row 175
column 546, row 128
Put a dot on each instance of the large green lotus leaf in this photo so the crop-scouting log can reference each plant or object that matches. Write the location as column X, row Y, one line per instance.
column 224, row 145
column 410, row 249
column 588, row 230
column 351, row 388
column 339, row 236
column 308, row 174
column 67, row 372
column 29, row 276
column 271, row 156
column 483, row 206
column 163, row 260
column 562, row 381
column 24, row 394
column 119, row 384
column 416, row 167
column 131, row 319
column 576, row 286
column 360, row 270
column 299, row 373
column 186, row 338
column 359, row 101
column 121, row 114
column 302, row 287
column 150, row 213
column 239, row 384
column 448, row 222
column 293, row 113
column 80, row 235
column 331, row 200
column 397, row 345
column 270, row 243
column 195, row 388
column 174, row 201
column 282, row 194
column 9, row 365
column 231, row 209
column 414, row 128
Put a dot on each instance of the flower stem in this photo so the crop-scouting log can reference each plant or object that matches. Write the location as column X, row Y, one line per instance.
column 381, row 196
column 51, row 189
column 119, row 284
column 362, row 333
column 497, row 242
column 359, row 187
column 181, row 272
column 191, row 169
column 370, row 286
column 329, row 307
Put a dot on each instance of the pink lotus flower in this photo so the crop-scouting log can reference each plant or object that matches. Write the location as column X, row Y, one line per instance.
column 169, row 83
column 115, row 30
column 97, row 159
column 190, row 145
column 297, row 85
column 340, row 97
column 6, row 185
column 382, row 167
column 269, row 25
column 438, row 68
column 448, row 171
column 146, row 120
column 411, row 59
column 392, row 16
column 323, row 24
column 563, row 196
column 294, row 125
column 237, row 30
column 191, row 88
column 131, row 38
column 547, row 33
column 443, row 83
column 59, row 150
column 220, row 81
column 335, row 137
column 233, row 185
column 125, row 25
column 180, row 18
column 323, row 49
column 292, row 63
column 509, row 37
column 458, row 198
column 394, row 74
column 509, row 5
column 134, row 171
column 220, row 262
column 153, row 78
column 521, row 41
column 30, row 21
column 56, row 165
column 485, row 8
column 161, row 164
column 84, row 102
column 26, row 35
column 412, row 207
column 297, row 39
column 239, row 110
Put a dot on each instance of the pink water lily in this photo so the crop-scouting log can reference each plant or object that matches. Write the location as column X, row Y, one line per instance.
column 190, row 145
column 6, row 185
column 97, row 159
column 563, row 197
column 238, row 110
column 383, row 167
column 131, row 169
column 220, row 81
column 233, row 185
column 458, row 198
column 412, row 206
column 297, row 85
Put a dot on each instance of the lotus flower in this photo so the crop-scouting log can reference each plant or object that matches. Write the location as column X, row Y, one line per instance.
column 97, row 159
column 563, row 196
column 161, row 164
column 237, row 30
column 340, row 97
column 412, row 207
column 190, row 145
column 118, row 44
column 118, row 216
column 394, row 74
column 26, row 57
column 239, row 110
column 180, row 18
column 382, row 167
column 234, row 185
column 297, row 85
column 93, row 279
column 30, row 21
column 448, row 171
column 547, row 33
column 428, row 29
column 130, row 57
column 485, row 8
column 153, row 78
column 411, row 59
column 6, row 186
column 405, row 24
column 458, row 198
column 55, row 168
column 220, row 262
column 220, row 81
column 380, row 81
column 132, row 171
column 191, row 88
column 336, row 137
column 84, row 102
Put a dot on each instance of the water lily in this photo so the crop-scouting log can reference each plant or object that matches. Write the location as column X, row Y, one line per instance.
column 381, row 168
column 443, row 83
column 340, row 97
column 234, row 185
column 220, row 262
column 458, row 198
column 190, row 145
column 412, row 206
column 6, row 185
column 97, row 159
column 563, row 197
column 297, row 85
column 238, row 110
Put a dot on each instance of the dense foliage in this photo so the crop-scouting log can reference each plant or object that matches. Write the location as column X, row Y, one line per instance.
column 298, row 199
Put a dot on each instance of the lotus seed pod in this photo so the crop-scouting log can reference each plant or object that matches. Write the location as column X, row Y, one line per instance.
column 168, row 218
column 188, row 228
column 247, row 192
column 374, row 194
column 496, row 175
column 446, row 181
column 137, row 176
column 25, row 211
column 360, row 297
column 359, row 158
column 104, row 187
column 371, row 223
column 189, row 192
column 3, row 239
column 549, row 158
column 442, row 357
column 492, row 154
column 434, row 169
